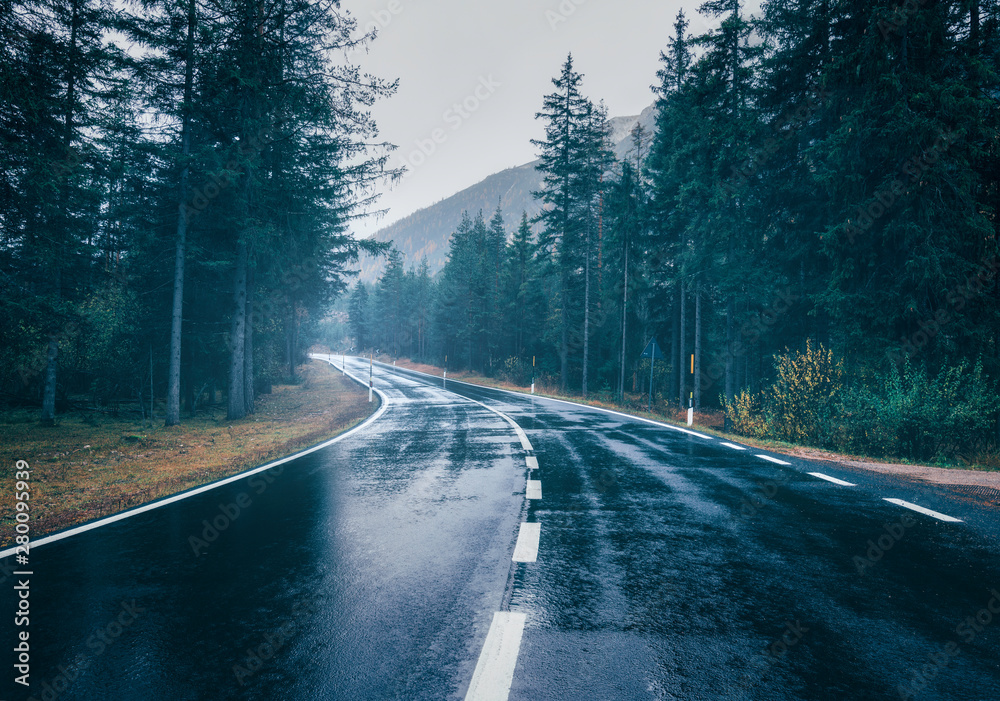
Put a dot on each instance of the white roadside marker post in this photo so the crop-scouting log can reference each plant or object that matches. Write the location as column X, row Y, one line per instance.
column 371, row 381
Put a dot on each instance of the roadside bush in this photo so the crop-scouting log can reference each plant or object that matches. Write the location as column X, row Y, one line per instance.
column 516, row 371
column 865, row 425
column 801, row 404
column 898, row 413
column 913, row 415
column 745, row 415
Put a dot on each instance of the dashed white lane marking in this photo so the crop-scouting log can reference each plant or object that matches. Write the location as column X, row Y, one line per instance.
column 774, row 460
column 733, row 446
column 842, row 483
column 526, row 549
column 534, row 489
column 495, row 670
column 532, row 462
column 927, row 512
column 213, row 485
column 525, row 443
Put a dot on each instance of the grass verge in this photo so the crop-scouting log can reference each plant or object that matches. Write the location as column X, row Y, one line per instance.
column 90, row 465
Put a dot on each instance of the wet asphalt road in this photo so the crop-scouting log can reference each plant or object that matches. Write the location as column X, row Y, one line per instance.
column 669, row 567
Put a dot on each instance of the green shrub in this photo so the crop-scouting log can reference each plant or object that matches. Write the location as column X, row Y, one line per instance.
column 745, row 415
column 515, row 371
column 801, row 404
column 897, row 413
column 909, row 414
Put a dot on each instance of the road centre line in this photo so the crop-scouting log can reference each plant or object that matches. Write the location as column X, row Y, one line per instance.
column 523, row 437
column 774, row 460
column 526, row 549
column 927, row 512
column 212, row 485
column 733, row 446
column 842, row 483
column 533, row 490
column 495, row 669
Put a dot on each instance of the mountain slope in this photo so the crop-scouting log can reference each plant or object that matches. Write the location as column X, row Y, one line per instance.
column 427, row 231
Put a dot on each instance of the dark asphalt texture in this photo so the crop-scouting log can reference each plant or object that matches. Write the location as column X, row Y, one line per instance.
column 669, row 567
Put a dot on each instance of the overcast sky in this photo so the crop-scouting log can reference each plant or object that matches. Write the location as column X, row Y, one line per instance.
column 495, row 61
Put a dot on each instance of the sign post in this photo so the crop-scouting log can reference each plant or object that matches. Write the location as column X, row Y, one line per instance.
column 371, row 381
column 652, row 352
column 691, row 400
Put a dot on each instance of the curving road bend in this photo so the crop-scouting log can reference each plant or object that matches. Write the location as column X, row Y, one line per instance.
column 668, row 565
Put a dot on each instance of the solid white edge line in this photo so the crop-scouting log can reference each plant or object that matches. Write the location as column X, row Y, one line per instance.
column 526, row 549
column 774, row 460
column 842, row 483
column 210, row 486
column 733, row 446
column 927, row 512
column 562, row 401
column 531, row 461
column 533, row 490
column 495, row 669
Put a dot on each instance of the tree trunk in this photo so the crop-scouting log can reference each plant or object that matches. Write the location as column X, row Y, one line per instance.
column 681, row 365
column 49, row 392
column 173, row 416
column 176, row 320
column 974, row 17
column 675, row 353
column 586, row 312
column 730, row 360
column 62, row 226
column 697, row 347
column 248, row 375
column 564, row 343
column 237, row 403
column 290, row 343
column 621, row 377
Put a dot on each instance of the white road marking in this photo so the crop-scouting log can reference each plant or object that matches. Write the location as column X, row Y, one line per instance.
column 526, row 549
column 521, row 435
column 563, row 401
column 525, row 443
column 733, row 446
column 532, row 462
column 842, row 483
column 927, row 512
column 774, row 460
column 533, row 490
column 495, row 670
column 214, row 485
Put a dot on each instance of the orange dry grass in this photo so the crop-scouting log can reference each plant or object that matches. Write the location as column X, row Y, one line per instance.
column 89, row 467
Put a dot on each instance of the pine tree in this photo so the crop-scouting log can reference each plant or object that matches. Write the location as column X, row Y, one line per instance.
column 359, row 317
column 390, row 306
column 626, row 217
column 520, row 290
column 572, row 158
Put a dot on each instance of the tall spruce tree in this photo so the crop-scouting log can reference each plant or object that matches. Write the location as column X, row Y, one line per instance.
column 572, row 159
